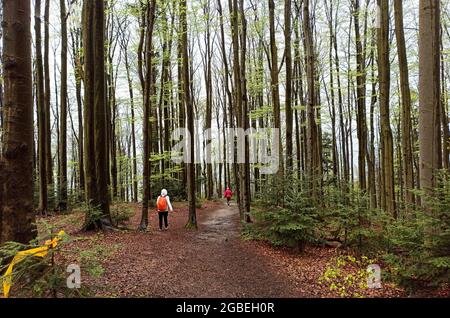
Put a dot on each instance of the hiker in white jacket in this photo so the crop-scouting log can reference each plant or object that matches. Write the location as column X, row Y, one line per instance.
column 163, row 206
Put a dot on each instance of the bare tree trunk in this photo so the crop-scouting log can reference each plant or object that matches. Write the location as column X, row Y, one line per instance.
column 133, row 129
column 406, row 125
column 63, row 129
column 274, row 72
column 387, row 146
column 150, row 19
column 227, row 86
column 429, row 94
column 192, row 220
column 17, row 218
column 47, row 97
column 95, row 116
column 288, row 54
column 78, row 71
column 43, row 195
column 312, row 161
column 361, row 99
column 371, row 156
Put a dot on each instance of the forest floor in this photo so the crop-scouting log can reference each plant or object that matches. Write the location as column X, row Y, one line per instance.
column 212, row 262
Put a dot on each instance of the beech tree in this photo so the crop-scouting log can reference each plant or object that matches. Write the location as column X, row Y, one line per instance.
column 429, row 94
column 17, row 216
column 95, row 119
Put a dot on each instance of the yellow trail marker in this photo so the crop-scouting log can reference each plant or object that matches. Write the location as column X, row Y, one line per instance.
column 20, row 256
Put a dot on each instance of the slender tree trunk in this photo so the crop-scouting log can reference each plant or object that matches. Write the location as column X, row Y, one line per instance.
column 47, row 97
column 312, row 161
column 229, row 95
column 333, row 95
column 361, row 99
column 192, row 219
column 387, row 146
column 150, row 19
column 289, row 113
column 275, row 91
column 63, row 129
column 78, row 71
column 43, row 194
column 406, row 125
column 371, row 161
column 133, row 128
column 181, row 102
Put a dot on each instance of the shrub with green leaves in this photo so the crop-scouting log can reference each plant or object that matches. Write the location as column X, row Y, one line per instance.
column 121, row 213
column 419, row 244
column 293, row 225
column 347, row 217
column 347, row 276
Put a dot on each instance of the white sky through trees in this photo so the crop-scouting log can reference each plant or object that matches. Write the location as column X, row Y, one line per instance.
column 196, row 27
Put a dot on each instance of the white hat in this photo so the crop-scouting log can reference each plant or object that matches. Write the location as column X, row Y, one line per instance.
column 164, row 192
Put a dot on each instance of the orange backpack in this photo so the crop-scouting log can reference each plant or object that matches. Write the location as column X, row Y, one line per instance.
column 161, row 204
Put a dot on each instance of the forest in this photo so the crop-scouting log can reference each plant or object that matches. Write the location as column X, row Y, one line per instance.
column 325, row 121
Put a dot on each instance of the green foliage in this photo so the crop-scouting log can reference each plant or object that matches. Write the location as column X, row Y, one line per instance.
column 419, row 245
column 93, row 213
column 121, row 213
column 415, row 248
column 91, row 260
column 347, row 217
column 347, row 275
column 341, row 214
column 294, row 224
column 199, row 202
column 176, row 189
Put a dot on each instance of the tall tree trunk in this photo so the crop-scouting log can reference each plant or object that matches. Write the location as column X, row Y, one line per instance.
column 133, row 128
column 63, row 129
column 95, row 116
column 312, row 161
column 17, row 218
column 289, row 113
column 150, row 19
column 47, row 97
column 42, row 136
column 371, row 156
column 406, row 125
column 444, row 112
column 332, row 94
column 361, row 99
column 229, row 95
column 192, row 219
column 274, row 72
column 387, row 159
column 429, row 94
column 78, row 71
column 245, row 170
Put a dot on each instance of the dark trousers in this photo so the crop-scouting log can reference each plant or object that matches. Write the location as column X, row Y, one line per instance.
column 163, row 215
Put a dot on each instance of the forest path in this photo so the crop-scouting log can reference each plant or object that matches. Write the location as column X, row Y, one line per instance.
column 211, row 262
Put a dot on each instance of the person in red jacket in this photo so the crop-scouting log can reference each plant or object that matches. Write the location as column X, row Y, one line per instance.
column 228, row 194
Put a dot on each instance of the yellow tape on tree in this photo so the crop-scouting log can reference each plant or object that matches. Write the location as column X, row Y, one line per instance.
column 20, row 256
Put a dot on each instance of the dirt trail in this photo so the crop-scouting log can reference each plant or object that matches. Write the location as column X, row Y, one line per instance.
column 211, row 262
